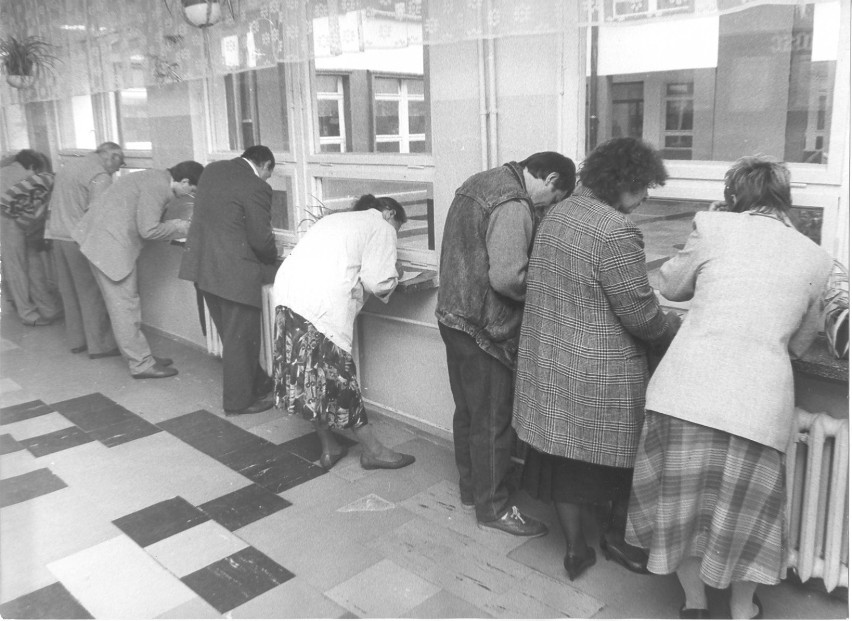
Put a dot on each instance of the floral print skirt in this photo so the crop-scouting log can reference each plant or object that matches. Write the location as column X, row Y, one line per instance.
column 314, row 377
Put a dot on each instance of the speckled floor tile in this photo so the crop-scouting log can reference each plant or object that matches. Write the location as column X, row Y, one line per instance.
column 24, row 487
column 50, row 602
column 243, row 506
column 23, row 411
column 160, row 521
column 56, row 441
column 234, row 580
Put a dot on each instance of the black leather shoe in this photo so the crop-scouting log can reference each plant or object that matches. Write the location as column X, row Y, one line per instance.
column 106, row 354
column 260, row 405
column 156, row 372
column 575, row 565
column 693, row 613
column 164, row 362
column 368, row 462
column 264, row 388
column 622, row 553
column 79, row 350
column 516, row 523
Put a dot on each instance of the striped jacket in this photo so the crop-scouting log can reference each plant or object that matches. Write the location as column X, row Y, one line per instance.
column 582, row 368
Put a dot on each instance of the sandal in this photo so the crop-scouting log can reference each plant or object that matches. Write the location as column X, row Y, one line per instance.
column 327, row 460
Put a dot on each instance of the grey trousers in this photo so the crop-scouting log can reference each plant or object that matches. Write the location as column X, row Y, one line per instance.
column 26, row 274
column 86, row 318
column 125, row 314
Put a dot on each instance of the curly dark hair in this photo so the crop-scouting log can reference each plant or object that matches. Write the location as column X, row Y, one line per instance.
column 368, row 201
column 622, row 165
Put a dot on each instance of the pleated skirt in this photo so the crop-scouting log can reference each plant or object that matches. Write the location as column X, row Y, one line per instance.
column 700, row 492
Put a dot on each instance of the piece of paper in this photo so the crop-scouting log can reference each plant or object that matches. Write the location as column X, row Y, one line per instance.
column 406, row 275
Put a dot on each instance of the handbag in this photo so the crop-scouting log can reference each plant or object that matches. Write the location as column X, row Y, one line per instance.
column 26, row 202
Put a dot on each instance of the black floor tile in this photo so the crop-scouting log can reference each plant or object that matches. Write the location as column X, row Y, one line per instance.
column 107, row 416
column 212, row 435
column 308, row 446
column 159, row 521
column 124, row 431
column 274, row 468
column 23, row 411
column 28, row 486
column 56, row 441
column 243, row 506
column 84, row 404
column 234, row 580
column 8, row 444
column 51, row 602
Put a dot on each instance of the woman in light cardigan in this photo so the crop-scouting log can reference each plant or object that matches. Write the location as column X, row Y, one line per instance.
column 708, row 490
column 319, row 290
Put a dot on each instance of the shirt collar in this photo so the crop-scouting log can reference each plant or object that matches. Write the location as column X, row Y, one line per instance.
column 253, row 167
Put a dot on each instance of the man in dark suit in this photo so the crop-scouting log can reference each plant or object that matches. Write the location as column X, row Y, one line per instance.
column 229, row 241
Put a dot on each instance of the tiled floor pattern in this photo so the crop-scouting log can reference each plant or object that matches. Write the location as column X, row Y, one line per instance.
column 125, row 502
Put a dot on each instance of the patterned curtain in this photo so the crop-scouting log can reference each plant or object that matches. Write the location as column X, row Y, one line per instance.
column 107, row 45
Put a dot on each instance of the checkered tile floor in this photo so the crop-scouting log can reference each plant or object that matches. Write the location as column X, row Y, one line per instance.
column 122, row 499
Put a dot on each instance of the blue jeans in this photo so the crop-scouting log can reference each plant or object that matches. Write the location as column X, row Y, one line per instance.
column 482, row 390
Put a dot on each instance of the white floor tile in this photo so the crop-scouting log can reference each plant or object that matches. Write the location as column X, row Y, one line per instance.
column 118, row 580
column 195, row 548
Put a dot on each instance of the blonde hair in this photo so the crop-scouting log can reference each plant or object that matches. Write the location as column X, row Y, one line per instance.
column 758, row 182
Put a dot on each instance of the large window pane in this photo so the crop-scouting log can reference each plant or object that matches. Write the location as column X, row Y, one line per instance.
column 250, row 108
column 716, row 88
column 416, row 198
column 77, row 123
column 375, row 49
column 133, row 124
column 282, row 202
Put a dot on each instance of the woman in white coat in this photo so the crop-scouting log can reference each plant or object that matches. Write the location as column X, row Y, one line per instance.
column 708, row 490
column 319, row 290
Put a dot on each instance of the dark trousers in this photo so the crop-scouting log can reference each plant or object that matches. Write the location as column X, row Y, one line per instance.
column 482, row 423
column 239, row 328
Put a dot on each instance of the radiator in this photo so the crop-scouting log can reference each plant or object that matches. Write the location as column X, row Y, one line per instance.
column 818, row 498
column 267, row 331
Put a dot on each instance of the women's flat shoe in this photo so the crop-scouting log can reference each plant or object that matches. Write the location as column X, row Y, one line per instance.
column 759, row 605
column 576, row 565
column 327, row 460
column 618, row 553
column 368, row 462
column 79, row 350
column 41, row 321
column 693, row 613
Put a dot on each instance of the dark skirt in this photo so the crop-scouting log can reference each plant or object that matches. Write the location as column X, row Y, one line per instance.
column 560, row 479
column 314, row 377
column 700, row 492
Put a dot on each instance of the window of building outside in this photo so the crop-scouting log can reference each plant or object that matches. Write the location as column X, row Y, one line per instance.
column 399, row 115
column 76, row 119
column 416, row 198
column 250, row 108
column 370, row 94
column 369, row 80
column 331, row 113
column 134, row 127
column 713, row 89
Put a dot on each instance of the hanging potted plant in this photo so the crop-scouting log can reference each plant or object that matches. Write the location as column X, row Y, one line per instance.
column 23, row 61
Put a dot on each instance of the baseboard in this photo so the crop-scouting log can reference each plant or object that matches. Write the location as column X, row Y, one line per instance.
column 437, row 435
column 175, row 337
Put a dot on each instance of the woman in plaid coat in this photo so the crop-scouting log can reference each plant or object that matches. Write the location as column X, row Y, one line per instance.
column 582, row 366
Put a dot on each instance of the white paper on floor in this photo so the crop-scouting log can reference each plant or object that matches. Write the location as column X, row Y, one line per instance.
column 368, row 503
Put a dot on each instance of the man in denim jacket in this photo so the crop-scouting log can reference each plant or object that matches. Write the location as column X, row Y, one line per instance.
column 485, row 251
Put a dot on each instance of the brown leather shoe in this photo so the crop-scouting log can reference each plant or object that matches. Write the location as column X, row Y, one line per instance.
column 156, row 372
column 261, row 405
column 368, row 462
column 516, row 523
column 163, row 362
